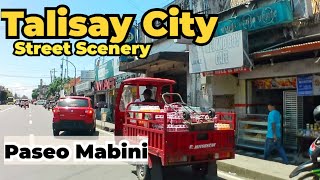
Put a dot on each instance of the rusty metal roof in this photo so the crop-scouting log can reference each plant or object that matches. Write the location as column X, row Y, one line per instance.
column 298, row 48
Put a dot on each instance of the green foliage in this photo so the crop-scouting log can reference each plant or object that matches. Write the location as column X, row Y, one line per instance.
column 35, row 93
column 56, row 86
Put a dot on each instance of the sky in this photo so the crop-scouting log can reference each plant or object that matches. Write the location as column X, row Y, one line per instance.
column 22, row 74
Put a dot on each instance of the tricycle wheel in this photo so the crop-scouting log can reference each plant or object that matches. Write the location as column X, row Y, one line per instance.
column 200, row 169
column 143, row 172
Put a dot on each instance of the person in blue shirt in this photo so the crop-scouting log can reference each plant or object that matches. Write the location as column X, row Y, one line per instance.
column 273, row 138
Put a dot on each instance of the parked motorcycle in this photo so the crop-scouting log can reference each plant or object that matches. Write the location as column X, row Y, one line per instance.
column 311, row 167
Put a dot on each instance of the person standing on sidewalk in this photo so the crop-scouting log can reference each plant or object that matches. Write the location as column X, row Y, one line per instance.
column 273, row 139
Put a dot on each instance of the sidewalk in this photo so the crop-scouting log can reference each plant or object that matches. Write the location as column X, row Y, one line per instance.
column 243, row 166
column 105, row 125
column 254, row 168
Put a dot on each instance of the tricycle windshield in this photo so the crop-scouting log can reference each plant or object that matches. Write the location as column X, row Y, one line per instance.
column 133, row 93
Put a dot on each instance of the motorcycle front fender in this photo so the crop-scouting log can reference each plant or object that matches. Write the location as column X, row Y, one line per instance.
column 307, row 166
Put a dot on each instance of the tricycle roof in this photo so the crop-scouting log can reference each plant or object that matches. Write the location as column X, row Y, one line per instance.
column 147, row 81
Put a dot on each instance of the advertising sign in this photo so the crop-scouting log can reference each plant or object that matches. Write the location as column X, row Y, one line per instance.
column 105, row 70
column 130, row 40
column 105, row 84
column 304, row 87
column 227, row 71
column 87, row 75
column 273, row 14
column 276, row 83
column 222, row 52
column 84, row 86
column 316, row 85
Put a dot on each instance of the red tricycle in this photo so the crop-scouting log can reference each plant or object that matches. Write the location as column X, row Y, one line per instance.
column 178, row 134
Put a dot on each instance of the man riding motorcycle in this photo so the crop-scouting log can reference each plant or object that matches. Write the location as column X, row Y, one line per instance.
column 313, row 165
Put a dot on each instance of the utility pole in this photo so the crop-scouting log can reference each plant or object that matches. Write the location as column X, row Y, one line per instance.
column 54, row 73
column 51, row 75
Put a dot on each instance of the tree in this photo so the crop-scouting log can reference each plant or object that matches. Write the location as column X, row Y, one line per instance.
column 35, row 93
column 56, row 86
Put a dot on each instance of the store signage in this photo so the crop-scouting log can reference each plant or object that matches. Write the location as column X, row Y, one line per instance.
column 304, row 87
column 130, row 40
column 227, row 71
column 224, row 52
column 316, row 85
column 105, row 70
column 105, row 84
column 276, row 83
column 84, row 86
column 122, row 77
column 273, row 14
column 87, row 75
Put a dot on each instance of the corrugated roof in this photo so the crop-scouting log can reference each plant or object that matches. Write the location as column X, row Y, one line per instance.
column 303, row 47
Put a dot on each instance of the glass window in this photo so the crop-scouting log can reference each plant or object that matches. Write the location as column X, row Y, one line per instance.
column 73, row 103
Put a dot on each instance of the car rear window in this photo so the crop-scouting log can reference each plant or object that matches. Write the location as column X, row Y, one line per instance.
column 73, row 103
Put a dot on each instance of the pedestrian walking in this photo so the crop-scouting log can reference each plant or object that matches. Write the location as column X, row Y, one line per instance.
column 273, row 138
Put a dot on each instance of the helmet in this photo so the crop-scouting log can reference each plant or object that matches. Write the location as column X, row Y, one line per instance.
column 316, row 113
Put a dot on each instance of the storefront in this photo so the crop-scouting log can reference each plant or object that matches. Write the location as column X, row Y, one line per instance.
column 292, row 85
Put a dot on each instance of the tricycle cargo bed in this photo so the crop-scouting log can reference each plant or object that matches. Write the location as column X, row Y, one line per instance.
column 176, row 148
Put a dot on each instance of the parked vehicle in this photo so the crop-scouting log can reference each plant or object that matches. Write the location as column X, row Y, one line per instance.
column 24, row 103
column 74, row 114
column 312, row 166
column 51, row 105
column 179, row 135
column 40, row 102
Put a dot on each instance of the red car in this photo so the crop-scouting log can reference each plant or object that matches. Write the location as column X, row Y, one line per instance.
column 74, row 114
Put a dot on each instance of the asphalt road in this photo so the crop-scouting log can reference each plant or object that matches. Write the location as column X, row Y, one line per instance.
column 36, row 120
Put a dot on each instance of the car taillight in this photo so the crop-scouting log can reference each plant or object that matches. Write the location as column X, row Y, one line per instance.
column 56, row 111
column 89, row 111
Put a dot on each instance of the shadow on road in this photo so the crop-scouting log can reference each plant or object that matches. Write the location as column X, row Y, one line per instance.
column 174, row 173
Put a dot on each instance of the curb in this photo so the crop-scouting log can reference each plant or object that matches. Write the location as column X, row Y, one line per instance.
column 246, row 173
column 100, row 126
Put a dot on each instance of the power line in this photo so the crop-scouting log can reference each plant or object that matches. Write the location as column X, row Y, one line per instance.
column 135, row 6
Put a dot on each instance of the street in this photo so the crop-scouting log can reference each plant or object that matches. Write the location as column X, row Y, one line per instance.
column 16, row 121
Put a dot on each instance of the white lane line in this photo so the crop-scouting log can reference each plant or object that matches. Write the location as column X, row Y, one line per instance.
column 7, row 109
column 227, row 175
column 102, row 131
column 30, row 115
column 30, row 122
column 31, row 139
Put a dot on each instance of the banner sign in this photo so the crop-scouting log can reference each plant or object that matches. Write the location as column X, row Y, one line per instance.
column 123, row 77
column 305, row 84
column 84, row 86
column 130, row 40
column 273, row 14
column 105, row 84
column 87, row 75
column 276, row 83
column 105, row 70
column 227, row 71
column 223, row 52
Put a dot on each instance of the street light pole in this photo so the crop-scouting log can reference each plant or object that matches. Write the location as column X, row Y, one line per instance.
column 75, row 74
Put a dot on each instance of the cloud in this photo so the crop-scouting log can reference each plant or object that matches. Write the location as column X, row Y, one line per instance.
column 21, row 89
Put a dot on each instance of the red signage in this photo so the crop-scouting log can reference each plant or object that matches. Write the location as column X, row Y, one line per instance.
column 227, row 71
column 105, row 84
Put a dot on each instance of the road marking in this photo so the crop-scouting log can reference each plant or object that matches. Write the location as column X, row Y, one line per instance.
column 30, row 115
column 31, row 139
column 103, row 131
column 8, row 109
column 227, row 175
column 30, row 122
